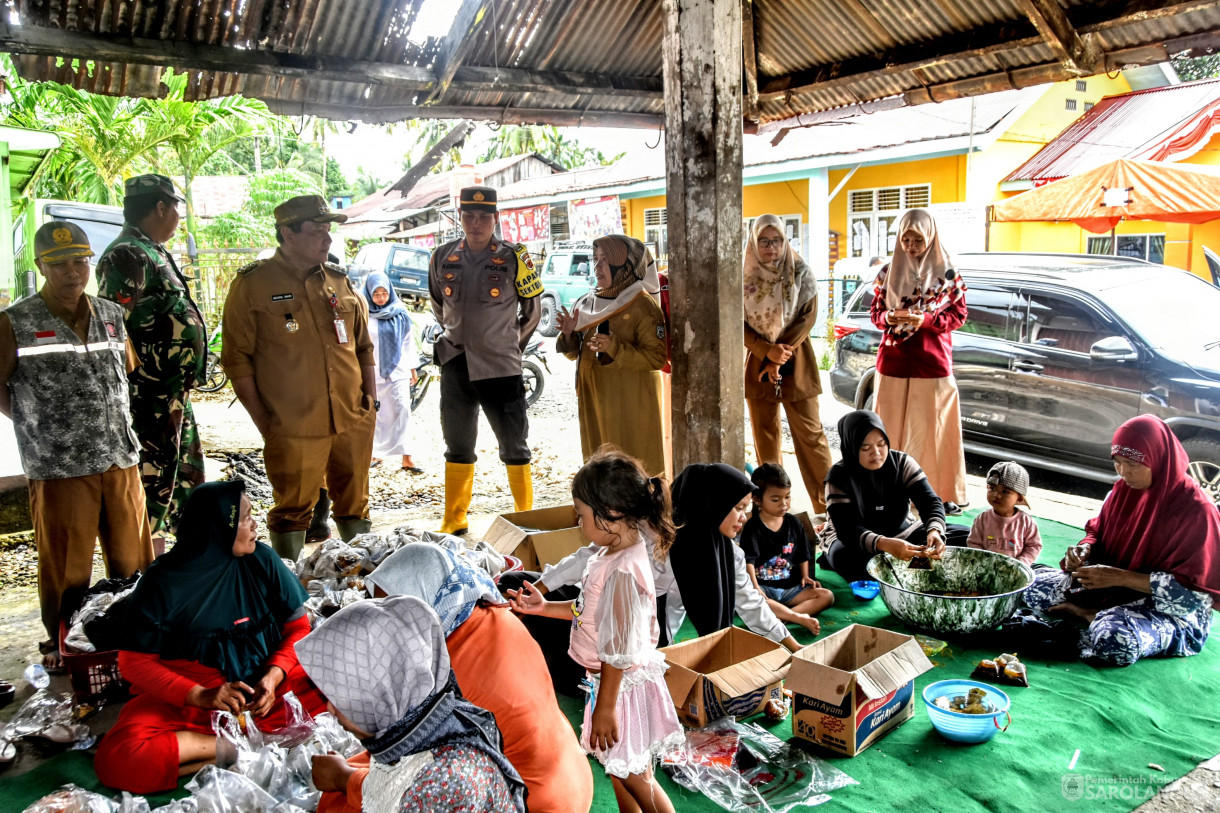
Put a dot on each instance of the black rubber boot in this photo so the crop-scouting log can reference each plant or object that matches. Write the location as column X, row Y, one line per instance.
column 319, row 528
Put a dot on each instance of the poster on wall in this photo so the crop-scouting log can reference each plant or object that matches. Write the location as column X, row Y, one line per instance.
column 962, row 226
column 591, row 218
column 526, row 225
column 423, row 241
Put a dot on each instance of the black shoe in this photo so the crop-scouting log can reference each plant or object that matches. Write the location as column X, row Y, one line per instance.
column 319, row 526
column 952, row 509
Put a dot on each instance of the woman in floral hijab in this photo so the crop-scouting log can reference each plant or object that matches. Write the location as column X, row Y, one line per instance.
column 781, row 307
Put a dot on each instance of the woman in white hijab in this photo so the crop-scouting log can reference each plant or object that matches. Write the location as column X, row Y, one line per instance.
column 616, row 334
column 384, row 668
column 781, row 308
column 919, row 301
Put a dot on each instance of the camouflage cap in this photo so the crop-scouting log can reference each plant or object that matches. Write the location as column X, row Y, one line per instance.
column 151, row 185
column 306, row 207
column 478, row 199
column 59, row 240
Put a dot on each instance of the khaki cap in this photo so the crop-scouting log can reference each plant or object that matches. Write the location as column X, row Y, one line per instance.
column 306, row 207
column 59, row 240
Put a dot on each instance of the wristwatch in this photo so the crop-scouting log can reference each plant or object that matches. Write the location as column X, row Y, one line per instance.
column 376, row 405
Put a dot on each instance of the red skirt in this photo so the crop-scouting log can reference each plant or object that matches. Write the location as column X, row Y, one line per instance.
column 140, row 753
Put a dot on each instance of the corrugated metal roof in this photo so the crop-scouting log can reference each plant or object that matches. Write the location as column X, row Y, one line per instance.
column 1120, row 127
column 565, row 61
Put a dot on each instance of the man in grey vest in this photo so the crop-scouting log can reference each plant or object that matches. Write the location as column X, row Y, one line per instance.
column 64, row 360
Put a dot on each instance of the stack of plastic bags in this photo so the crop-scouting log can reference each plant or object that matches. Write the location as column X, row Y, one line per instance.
column 742, row 767
column 255, row 771
column 333, row 574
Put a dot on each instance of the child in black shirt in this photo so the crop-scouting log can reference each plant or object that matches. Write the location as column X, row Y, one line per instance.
column 777, row 552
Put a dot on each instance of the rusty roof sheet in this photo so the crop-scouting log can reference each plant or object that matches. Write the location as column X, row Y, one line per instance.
column 566, row 61
column 1121, row 126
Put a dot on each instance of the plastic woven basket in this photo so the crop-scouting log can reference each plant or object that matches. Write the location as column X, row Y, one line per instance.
column 94, row 675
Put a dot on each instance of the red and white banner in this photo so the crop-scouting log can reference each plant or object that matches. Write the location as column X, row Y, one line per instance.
column 526, row 225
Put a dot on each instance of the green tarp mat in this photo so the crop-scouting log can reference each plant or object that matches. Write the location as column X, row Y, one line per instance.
column 1158, row 712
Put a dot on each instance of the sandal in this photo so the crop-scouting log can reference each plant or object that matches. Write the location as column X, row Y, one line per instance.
column 52, row 658
column 412, row 469
column 8, row 752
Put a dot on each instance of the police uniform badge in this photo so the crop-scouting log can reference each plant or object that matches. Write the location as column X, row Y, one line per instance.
column 62, row 237
column 528, row 281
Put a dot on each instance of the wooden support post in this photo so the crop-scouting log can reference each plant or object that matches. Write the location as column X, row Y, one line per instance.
column 750, row 60
column 1078, row 54
column 701, row 54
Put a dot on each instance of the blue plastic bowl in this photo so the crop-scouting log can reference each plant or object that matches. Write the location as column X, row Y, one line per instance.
column 967, row 728
column 865, row 589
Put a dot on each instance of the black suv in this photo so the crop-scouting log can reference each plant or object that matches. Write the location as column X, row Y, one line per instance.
column 1059, row 349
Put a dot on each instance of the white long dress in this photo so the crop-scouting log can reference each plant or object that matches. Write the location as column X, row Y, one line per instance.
column 392, row 435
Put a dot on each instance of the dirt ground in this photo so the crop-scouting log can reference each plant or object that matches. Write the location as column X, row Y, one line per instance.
column 397, row 497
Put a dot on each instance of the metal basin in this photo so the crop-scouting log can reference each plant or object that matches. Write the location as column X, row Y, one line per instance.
column 998, row 579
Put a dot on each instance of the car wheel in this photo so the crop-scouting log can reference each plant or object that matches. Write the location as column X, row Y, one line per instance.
column 548, row 326
column 1204, row 454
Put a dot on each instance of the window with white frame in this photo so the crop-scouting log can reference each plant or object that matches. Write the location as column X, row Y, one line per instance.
column 656, row 231
column 873, row 214
column 1150, row 247
column 792, row 231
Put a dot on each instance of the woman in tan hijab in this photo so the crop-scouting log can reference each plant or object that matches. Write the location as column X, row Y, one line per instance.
column 617, row 336
column 781, row 307
column 920, row 300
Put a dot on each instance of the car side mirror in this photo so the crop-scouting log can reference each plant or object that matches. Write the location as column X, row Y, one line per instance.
column 1113, row 348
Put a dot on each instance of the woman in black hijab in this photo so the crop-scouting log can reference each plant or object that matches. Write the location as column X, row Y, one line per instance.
column 711, row 501
column 868, row 498
column 211, row 625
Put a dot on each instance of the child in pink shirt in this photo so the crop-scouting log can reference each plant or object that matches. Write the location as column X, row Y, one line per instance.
column 1005, row 529
column 629, row 720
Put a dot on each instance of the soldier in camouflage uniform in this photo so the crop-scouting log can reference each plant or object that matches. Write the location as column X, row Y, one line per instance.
column 64, row 363
column 170, row 337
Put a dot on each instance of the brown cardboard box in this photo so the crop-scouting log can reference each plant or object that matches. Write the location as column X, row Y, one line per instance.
column 553, row 536
column 733, row 671
column 851, row 688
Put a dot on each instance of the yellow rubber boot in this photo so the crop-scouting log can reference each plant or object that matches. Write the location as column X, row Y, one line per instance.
column 522, row 486
column 459, row 483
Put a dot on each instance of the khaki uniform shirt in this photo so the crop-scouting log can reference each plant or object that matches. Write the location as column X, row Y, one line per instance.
column 475, row 299
column 279, row 327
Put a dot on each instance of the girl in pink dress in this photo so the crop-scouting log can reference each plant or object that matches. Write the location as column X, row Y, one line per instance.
column 629, row 718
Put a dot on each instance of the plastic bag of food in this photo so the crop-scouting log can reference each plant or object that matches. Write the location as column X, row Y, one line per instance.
column 764, row 774
column 71, row 799
column 219, row 791
column 49, row 716
column 132, row 804
column 94, row 607
column 187, row 804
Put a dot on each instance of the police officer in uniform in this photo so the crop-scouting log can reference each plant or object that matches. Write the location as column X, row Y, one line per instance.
column 64, row 360
column 170, row 338
column 485, row 297
column 298, row 350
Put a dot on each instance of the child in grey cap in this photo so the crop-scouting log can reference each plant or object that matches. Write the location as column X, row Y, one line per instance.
column 1004, row 528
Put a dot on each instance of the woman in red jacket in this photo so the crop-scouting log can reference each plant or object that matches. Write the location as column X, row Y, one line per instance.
column 212, row 625
column 919, row 301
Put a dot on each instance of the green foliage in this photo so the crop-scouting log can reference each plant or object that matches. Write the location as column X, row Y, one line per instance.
column 254, row 225
column 1191, row 69
column 548, row 142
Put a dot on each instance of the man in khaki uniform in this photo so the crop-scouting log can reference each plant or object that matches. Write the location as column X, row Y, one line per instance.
column 298, row 350
column 64, row 360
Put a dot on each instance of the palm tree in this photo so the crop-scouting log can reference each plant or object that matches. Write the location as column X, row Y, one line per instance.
column 198, row 130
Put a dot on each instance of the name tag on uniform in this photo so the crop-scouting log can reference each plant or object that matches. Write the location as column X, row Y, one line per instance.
column 341, row 331
column 281, row 297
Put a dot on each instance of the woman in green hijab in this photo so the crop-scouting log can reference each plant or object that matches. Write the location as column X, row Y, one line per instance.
column 211, row 625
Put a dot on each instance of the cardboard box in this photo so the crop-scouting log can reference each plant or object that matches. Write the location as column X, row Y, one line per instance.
column 539, row 537
column 851, row 688
column 733, row 671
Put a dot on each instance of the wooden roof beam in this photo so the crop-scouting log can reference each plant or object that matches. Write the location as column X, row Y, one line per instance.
column 37, row 41
column 749, row 58
column 560, row 117
column 457, row 44
column 1078, row 54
